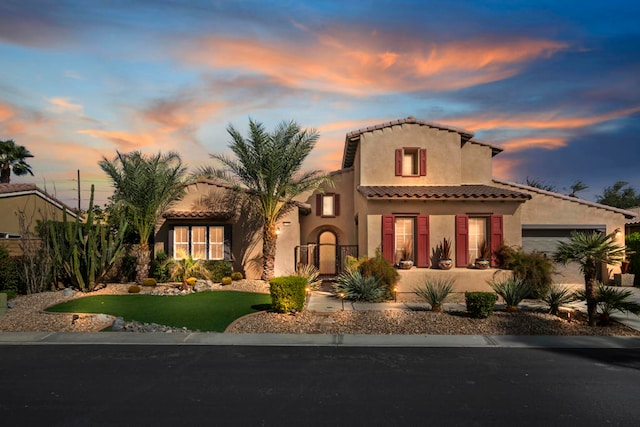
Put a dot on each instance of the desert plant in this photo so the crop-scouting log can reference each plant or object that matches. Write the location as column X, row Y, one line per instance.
column 236, row 275
column 134, row 289
column 288, row 293
column 484, row 250
column 445, row 249
column 159, row 266
column 218, row 268
column 355, row 286
column 435, row 291
column 86, row 250
column 557, row 296
column 352, row 263
column 383, row 271
column 480, row 304
column 226, row 281
column 512, row 290
column 186, row 267
column 632, row 241
column 149, row 281
column 610, row 300
column 534, row 268
column 191, row 281
column 310, row 273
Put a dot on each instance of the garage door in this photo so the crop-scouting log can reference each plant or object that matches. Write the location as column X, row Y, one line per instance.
column 545, row 239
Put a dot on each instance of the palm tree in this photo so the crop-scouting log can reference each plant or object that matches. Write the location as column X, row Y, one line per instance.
column 12, row 158
column 146, row 186
column 267, row 168
column 589, row 250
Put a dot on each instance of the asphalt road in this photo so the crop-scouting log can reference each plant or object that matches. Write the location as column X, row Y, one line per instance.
column 121, row 385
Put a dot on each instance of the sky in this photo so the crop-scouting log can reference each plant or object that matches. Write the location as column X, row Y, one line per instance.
column 556, row 84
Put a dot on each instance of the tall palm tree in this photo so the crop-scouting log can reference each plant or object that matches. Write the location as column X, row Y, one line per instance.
column 12, row 157
column 145, row 186
column 589, row 250
column 267, row 168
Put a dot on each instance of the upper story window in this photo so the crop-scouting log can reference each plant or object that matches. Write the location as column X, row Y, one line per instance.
column 411, row 161
column 328, row 205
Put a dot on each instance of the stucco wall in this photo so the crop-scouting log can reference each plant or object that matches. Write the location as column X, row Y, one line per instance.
column 476, row 164
column 35, row 208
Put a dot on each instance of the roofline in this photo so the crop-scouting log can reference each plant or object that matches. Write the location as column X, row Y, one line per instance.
column 43, row 195
column 626, row 213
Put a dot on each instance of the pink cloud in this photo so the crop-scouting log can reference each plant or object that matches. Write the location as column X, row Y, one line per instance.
column 63, row 105
column 547, row 143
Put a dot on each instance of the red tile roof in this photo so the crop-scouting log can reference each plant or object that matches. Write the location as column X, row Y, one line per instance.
column 441, row 192
column 216, row 215
column 7, row 190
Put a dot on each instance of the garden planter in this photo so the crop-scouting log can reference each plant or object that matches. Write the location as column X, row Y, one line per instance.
column 482, row 263
column 445, row 264
column 406, row 265
column 512, row 308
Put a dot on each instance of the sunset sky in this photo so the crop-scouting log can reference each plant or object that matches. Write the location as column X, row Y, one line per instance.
column 555, row 83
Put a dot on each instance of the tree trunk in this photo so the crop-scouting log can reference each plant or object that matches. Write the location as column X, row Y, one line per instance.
column 591, row 290
column 5, row 175
column 269, row 237
column 143, row 262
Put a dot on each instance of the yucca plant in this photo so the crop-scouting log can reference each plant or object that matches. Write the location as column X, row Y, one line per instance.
column 512, row 290
column 355, row 286
column 309, row 272
column 557, row 296
column 182, row 269
column 609, row 300
column 435, row 291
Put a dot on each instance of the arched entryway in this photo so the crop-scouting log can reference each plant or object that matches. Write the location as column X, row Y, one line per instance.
column 327, row 241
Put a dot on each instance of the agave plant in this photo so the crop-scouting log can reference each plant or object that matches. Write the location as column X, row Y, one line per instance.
column 355, row 286
column 557, row 296
column 309, row 272
column 435, row 291
column 512, row 290
column 609, row 300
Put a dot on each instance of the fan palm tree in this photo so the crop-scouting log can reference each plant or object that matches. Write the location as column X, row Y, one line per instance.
column 146, row 186
column 267, row 168
column 589, row 250
column 12, row 158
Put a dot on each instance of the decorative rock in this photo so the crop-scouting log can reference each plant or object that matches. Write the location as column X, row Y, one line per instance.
column 103, row 318
column 119, row 324
column 11, row 304
column 68, row 292
column 202, row 286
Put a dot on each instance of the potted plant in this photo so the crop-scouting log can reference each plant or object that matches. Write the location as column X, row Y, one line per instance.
column 445, row 262
column 484, row 260
column 407, row 250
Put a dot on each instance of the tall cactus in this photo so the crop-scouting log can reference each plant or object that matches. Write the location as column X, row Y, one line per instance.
column 86, row 250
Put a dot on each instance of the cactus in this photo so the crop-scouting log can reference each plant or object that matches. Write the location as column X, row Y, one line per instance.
column 86, row 250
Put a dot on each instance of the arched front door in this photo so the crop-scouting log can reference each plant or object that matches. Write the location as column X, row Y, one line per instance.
column 327, row 252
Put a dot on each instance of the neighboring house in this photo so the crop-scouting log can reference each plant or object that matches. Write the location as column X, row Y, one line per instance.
column 632, row 225
column 404, row 184
column 29, row 204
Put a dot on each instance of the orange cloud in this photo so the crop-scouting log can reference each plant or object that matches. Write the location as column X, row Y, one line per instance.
column 550, row 143
column 63, row 105
column 175, row 114
column 6, row 111
column 124, row 141
column 354, row 64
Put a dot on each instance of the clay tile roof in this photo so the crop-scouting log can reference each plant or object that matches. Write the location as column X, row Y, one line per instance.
column 217, row 215
column 16, row 188
column 446, row 192
column 7, row 190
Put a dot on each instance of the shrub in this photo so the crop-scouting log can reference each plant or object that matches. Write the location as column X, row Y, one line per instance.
column 352, row 263
column 218, row 269
column 385, row 273
column 609, row 300
column 11, row 294
column 480, row 304
column 9, row 277
column 435, row 292
column 558, row 296
column 533, row 268
column 186, row 268
column 159, row 266
column 128, row 268
column 512, row 290
column 311, row 273
column 226, row 281
column 288, row 293
column 236, row 275
column 632, row 242
column 355, row 286
column 149, row 281
column 191, row 281
column 134, row 289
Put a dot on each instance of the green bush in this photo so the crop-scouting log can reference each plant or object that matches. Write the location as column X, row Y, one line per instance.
column 288, row 293
column 134, row 289
column 435, row 291
column 632, row 242
column 480, row 304
column 385, row 273
column 558, row 296
column 11, row 294
column 159, row 267
column 512, row 290
column 128, row 268
column 218, row 269
column 226, row 281
column 9, row 277
column 533, row 268
column 355, row 286
column 149, row 281
column 236, row 275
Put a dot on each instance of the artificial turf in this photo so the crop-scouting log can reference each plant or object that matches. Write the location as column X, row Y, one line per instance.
column 203, row 311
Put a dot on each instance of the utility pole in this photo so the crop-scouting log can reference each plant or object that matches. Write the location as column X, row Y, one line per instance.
column 79, row 190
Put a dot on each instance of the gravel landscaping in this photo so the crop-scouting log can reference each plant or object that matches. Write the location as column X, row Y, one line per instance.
column 28, row 315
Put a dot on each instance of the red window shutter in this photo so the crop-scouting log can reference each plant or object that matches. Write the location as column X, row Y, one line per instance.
column 462, row 240
column 336, row 204
column 423, row 162
column 423, row 241
column 318, row 204
column 399, row 162
column 388, row 237
column 496, row 238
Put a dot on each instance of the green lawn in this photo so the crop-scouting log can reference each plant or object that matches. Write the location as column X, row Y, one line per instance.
column 204, row 311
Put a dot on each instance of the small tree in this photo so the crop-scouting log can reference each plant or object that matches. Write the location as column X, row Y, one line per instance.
column 589, row 250
column 619, row 195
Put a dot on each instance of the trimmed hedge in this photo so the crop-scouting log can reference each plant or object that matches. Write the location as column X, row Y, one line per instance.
column 480, row 304
column 288, row 293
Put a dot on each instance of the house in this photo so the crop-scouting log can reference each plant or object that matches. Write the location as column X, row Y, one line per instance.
column 28, row 204
column 632, row 225
column 404, row 185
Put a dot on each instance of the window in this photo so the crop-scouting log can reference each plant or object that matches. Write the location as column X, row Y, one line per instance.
column 201, row 242
column 327, row 205
column 477, row 236
column 404, row 238
column 411, row 161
